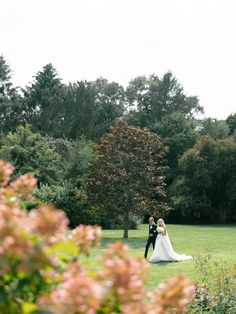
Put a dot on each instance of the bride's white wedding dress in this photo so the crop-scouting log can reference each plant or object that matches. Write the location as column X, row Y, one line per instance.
column 164, row 252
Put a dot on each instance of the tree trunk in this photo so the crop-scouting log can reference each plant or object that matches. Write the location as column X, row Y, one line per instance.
column 126, row 225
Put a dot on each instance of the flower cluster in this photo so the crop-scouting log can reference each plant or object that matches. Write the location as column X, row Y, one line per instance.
column 175, row 293
column 86, row 237
column 122, row 278
column 6, row 170
column 76, row 293
column 50, row 223
column 19, row 249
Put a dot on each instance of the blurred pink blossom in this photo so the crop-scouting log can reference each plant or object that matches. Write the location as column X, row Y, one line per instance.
column 123, row 278
column 171, row 296
column 24, row 186
column 6, row 170
column 48, row 222
column 86, row 237
column 77, row 293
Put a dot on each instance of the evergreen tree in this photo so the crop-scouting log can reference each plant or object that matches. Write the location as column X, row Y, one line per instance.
column 44, row 102
column 10, row 100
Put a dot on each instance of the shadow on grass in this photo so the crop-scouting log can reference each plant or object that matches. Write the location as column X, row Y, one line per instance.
column 162, row 264
column 132, row 242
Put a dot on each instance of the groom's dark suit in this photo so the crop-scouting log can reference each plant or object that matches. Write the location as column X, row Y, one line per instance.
column 152, row 234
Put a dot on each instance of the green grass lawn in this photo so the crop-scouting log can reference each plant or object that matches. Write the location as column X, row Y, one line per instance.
column 219, row 240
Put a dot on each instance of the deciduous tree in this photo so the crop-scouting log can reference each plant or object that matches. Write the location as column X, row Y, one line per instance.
column 152, row 98
column 127, row 173
column 207, row 185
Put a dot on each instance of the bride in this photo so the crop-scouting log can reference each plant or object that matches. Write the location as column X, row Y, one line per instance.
column 163, row 251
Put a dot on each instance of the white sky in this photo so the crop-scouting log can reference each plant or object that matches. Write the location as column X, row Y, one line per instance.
column 121, row 39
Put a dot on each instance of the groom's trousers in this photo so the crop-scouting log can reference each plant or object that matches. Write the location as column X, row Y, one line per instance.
column 150, row 240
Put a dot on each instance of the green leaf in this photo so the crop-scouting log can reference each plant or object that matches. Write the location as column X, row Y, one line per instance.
column 28, row 308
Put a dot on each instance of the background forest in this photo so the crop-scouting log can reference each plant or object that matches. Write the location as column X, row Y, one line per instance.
column 50, row 129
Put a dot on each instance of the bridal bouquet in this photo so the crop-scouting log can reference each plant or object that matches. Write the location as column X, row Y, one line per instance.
column 161, row 230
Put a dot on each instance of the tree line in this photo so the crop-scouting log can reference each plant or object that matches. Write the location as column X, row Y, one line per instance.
column 48, row 128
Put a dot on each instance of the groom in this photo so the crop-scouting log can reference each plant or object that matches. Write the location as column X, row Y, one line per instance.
column 152, row 234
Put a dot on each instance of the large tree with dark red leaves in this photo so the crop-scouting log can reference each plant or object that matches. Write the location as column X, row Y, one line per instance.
column 126, row 175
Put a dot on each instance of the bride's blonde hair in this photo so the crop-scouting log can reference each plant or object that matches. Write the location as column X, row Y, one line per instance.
column 161, row 223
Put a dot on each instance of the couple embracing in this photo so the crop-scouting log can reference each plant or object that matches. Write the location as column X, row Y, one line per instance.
column 162, row 248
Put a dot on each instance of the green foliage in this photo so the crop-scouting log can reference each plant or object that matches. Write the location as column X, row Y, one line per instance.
column 64, row 192
column 92, row 107
column 179, row 134
column 153, row 98
column 44, row 102
column 207, row 185
column 77, row 160
column 231, row 121
column 108, row 219
column 10, row 100
column 217, row 129
column 80, row 110
column 64, row 196
column 6, row 89
column 126, row 174
column 60, row 145
column 31, row 153
column 109, row 99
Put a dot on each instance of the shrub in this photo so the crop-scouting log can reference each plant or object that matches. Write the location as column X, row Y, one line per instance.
column 216, row 291
column 64, row 196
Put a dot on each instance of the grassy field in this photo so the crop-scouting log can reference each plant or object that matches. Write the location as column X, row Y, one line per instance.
column 219, row 240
